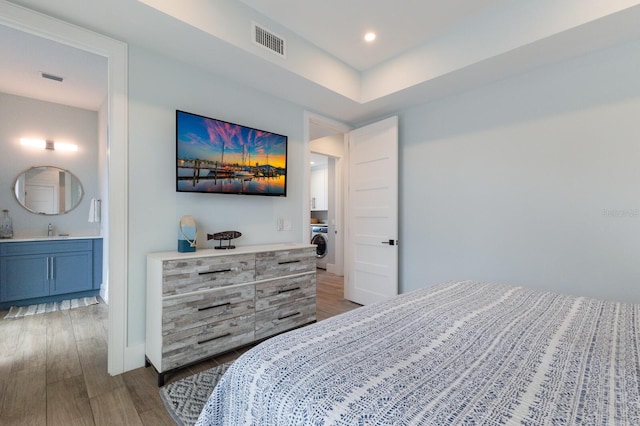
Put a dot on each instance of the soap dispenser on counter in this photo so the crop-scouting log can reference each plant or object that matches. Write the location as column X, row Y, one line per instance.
column 6, row 225
column 50, row 230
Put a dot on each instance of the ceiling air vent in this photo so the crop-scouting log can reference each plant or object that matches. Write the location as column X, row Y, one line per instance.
column 267, row 39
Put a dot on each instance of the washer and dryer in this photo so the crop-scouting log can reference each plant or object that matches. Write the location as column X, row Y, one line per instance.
column 319, row 237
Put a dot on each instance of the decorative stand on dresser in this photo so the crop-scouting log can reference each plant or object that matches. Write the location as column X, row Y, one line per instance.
column 204, row 303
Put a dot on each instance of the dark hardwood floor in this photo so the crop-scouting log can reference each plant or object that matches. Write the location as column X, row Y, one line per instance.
column 53, row 368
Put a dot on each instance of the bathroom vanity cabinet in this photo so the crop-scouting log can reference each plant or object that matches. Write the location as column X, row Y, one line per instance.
column 40, row 271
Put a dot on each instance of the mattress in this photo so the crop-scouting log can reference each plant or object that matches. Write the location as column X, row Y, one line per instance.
column 454, row 353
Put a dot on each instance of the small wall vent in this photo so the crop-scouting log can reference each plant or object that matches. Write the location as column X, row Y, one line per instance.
column 269, row 40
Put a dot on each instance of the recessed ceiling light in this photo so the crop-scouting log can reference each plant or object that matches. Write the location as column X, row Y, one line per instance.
column 370, row 36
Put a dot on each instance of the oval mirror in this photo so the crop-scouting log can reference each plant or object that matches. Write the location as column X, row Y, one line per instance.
column 48, row 190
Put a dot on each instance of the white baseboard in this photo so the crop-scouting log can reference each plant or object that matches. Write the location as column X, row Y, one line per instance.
column 104, row 293
column 333, row 269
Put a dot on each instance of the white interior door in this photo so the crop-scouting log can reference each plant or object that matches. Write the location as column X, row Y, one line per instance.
column 371, row 270
column 41, row 198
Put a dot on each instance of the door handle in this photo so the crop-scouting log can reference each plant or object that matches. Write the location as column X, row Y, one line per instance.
column 391, row 242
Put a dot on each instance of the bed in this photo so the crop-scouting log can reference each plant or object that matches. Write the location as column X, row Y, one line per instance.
column 454, row 353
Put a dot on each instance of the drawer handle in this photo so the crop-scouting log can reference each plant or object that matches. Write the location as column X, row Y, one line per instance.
column 214, row 306
column 288, row 316
column 288, row 261
column 289, row 289
column 200, row 342
column 214, row 272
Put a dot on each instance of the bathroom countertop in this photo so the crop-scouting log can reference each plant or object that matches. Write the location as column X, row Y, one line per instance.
column 53, row 238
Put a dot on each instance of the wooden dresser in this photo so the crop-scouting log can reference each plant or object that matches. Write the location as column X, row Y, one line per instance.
column 207, row 302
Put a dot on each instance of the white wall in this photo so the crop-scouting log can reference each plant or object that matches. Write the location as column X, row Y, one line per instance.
column 532, row 180
column 25, row 117
column 157, row 87
column 332, row 146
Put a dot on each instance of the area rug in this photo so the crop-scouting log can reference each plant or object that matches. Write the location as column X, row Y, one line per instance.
column 185, row 398
column 43, row 308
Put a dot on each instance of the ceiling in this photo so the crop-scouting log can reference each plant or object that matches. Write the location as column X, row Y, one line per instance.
column 425, row 50
column 338, row 26
column 84, row 74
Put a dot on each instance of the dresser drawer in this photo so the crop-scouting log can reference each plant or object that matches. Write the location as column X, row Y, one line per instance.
column 280, row 263
column 272, row 294
column 285, row 317
column 202, row 273
column 202, row 308
column 201, row 342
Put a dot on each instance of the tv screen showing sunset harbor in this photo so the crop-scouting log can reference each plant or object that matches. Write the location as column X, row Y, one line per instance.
column 216, row 156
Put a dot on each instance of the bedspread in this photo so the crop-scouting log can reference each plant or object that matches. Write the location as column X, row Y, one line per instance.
column 454, row 353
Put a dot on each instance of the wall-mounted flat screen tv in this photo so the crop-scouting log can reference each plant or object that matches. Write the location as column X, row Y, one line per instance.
column 215, row 156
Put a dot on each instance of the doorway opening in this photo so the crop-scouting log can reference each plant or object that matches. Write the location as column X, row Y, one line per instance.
column 114, row 122
column 366, row 204
column 324, row 210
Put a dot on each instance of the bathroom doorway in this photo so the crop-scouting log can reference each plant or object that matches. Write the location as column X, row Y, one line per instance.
column 113, row 163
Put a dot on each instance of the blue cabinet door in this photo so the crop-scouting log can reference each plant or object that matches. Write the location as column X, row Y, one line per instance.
column 24, row 277
column 71, row 272
column 44, row 271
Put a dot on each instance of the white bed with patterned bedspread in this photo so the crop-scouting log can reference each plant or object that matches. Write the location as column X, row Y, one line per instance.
column 454, row 353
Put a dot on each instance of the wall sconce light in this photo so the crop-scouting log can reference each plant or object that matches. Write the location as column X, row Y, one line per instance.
column 46, row 144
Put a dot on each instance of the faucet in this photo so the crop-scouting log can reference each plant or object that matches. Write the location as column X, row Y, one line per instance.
column 50, row 230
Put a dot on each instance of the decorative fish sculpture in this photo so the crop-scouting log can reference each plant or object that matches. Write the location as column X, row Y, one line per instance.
column 224, row 235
